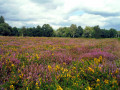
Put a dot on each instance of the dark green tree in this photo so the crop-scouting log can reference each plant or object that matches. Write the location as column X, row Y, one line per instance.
column 79, row 32
column 113, row 33
column 14, row 31
column 47, row 30
column 23, row 31
column 39, row 31
column 73, row 29
column 97, row 31
column 5, row 29
column 2, row 20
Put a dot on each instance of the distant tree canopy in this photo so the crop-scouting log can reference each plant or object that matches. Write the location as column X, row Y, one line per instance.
column 47, row 31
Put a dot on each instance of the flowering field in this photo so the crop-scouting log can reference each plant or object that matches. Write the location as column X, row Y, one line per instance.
column 41, row 63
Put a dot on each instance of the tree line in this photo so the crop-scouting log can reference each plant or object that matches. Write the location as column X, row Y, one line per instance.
column 47, row 31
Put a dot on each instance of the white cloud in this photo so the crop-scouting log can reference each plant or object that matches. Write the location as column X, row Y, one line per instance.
column 61, row 12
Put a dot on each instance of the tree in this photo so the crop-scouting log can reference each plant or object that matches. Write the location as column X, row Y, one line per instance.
column 97, row 32
column 5, row 29
column 79, row 31
column 73, row 29
column 113, row 33
column 47, row 30
column 39, row 31
column 2, row 20
column 14, row 31
column 88, row 32
column 23, row 30
column 105, row 33
column 63, row 32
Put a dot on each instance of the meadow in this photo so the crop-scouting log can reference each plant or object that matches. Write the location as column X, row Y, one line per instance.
column 51, row 63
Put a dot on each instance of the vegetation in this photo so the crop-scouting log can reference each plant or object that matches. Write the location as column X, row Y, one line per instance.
column 42, row 63
column 47, row 31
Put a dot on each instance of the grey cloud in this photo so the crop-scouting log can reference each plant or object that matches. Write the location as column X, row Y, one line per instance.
column 102, row 13
column 113, row 23
column 42, row 1
column 49, row 4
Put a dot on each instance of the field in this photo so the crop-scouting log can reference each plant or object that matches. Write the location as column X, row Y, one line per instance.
column 42, row 63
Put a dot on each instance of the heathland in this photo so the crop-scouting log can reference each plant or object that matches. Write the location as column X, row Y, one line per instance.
column 51, row 63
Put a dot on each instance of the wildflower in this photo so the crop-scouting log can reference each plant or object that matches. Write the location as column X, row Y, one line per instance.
column 27, row 88
column 88, row 88
column 36, row 84
column 100, row 58
column 52, row 54
column 73, row 68
column 11, row 86
column 12, row 65
column 90, row 69
column 59, row 88
column 37, row 87
column 100, row 68
column 37, row 57
column 57, row 67
column 64, row 63
column 114, row 81
column 97, row 84
column 106, row 81
column 98, row 80
column 49, row 68
column 68, row 75
column 116, row 71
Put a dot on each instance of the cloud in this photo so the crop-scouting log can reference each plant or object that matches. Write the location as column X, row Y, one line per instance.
column 57, row 13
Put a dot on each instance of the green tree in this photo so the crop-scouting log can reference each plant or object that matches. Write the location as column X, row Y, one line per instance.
column 79, row 31
column 2, row 20
column 97, row 31
column 5, row 29
column 39, row 31
column 113, row 33
column 88, row 32
column 14, row 31
column 73, row 29
column 23, row 31
column 47, row 30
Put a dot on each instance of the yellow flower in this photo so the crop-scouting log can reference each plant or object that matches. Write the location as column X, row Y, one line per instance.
column 97, row 84
column 59, row 88
column 106, row 81
column 49, row 68
column 68, row 75
column 114, row 81
column 52, row 54
column 90, row 69
column 38, row 88
column 12, row 65
column 98, row 80
column 27, row 88
column 36, row 84
column 57, row 66
column 100, row 58
column 88, row 88
column 11, row 86
column 37, row 57
column 73, row 68
column 117, row 71
column 64, row 63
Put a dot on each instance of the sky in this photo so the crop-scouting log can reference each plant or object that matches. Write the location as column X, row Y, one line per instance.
column 61, row 13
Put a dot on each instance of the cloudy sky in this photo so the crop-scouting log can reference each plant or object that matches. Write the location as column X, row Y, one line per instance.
column 59, row 13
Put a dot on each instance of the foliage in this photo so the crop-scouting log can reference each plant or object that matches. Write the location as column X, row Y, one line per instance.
column 47, row 31
column 88, row 32
column 42, row 63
